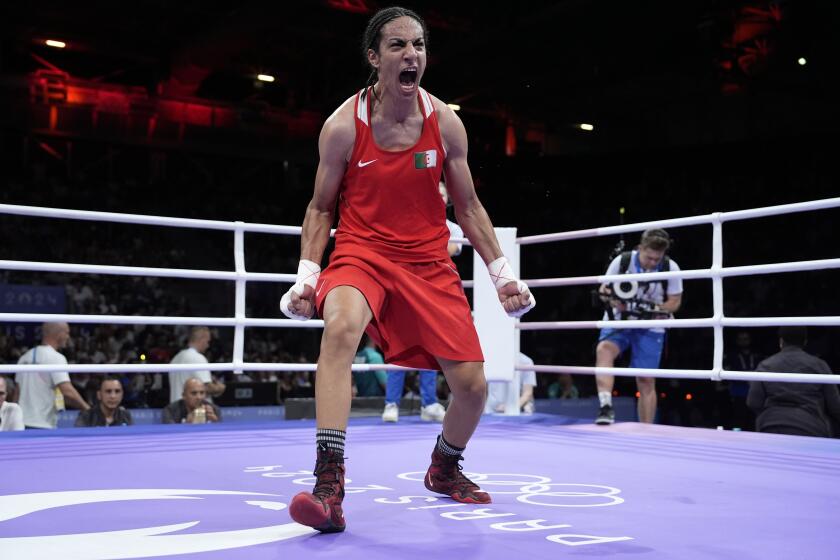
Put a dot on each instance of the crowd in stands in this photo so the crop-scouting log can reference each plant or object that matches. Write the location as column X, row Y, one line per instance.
column 564, row 201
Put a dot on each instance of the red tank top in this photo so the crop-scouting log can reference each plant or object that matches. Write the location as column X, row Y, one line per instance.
column 389, row 200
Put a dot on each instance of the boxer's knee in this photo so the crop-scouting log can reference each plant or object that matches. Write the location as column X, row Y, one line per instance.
column 466, row 381
column 341, row 336
column 346, row 314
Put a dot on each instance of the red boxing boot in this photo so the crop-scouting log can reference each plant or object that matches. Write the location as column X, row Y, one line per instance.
column 321, row 509
column 445, row 477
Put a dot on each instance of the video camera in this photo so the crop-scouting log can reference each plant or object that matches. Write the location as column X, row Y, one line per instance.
column 626, row 293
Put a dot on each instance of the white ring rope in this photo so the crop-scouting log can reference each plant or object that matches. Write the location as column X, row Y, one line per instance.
column 709, row 322
column 146, row 271
column 687, row 374
column 142, row 219
column 240, row 276
column 683, row 222
column 703, row 273
column 158, row 320
column 214, row 366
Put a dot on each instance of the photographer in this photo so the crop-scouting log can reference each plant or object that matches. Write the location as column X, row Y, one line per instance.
column 637, row 300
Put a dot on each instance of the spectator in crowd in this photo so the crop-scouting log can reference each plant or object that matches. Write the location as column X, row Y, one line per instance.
column 193, row 407
column 43, row 394
column 369, row 383
column 430, row 409
column 198, row 343
column 497, row 392
column 562, row 387
column 804, row 409
column 734, row 412
column 11, row 416
column 108, row 410
column 455, row 231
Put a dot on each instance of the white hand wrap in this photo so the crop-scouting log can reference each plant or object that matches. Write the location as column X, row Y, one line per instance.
column 307, row 275
column 502, row 274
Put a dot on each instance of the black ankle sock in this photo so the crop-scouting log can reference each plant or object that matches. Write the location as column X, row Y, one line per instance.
column 447, row 448
column 331, row 439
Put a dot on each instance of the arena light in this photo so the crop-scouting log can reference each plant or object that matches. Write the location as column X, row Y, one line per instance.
column 265, row 78
column 688, row 396
column 802, row 61
column 587, row 127
column 454, row 106
column 142, row 357
column 56, row 44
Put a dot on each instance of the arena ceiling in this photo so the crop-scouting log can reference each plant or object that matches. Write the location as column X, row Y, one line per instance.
column 545, row 65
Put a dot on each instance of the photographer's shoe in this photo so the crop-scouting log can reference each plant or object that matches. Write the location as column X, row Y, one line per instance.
column 606, row 416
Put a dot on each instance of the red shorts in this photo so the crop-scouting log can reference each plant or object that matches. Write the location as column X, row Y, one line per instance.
column 419, row 310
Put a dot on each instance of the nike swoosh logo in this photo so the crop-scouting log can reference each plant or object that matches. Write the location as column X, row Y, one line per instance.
column 365, row 163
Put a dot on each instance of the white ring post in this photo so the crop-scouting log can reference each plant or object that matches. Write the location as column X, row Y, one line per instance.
column 717, row 294
column 239, row 305
column 496, row 331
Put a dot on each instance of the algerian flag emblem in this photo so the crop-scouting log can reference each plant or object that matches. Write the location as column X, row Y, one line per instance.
column 422, row 160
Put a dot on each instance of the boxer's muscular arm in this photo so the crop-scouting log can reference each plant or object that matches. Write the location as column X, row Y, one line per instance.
column 472, row 217
column 335, row 144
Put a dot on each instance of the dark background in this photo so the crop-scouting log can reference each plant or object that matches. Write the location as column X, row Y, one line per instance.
column 154, row 108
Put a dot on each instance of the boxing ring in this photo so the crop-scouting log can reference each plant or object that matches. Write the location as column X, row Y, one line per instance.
column 221, row 491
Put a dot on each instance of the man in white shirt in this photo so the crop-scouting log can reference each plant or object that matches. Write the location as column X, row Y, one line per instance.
column 199, row 341
column 43, row 394
column 497, row 392
column 455, row 231
column 11, row 417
